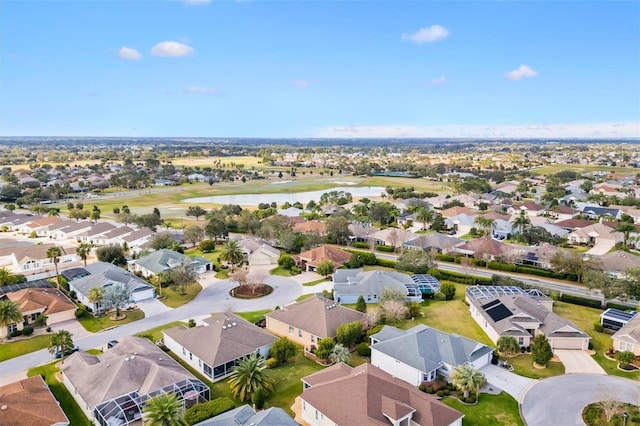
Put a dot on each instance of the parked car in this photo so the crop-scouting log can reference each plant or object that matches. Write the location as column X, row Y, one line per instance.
column 57, row 354
column 111, row 344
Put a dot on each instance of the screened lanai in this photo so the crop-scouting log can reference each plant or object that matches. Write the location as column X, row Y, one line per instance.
column 127, row 409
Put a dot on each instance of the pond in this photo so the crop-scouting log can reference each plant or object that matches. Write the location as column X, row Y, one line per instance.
column 302, row 197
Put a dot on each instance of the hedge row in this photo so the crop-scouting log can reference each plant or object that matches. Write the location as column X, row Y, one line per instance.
column 582, row 301
column 205, row 411
column 459, row 278
column 531, row 270
column 614, row 305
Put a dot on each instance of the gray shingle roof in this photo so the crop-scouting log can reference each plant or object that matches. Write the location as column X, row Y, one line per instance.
column 245, row 415
column 162, row 260
column 357, row 281
column 221, row 341
column 426, row 348
column 102, row 273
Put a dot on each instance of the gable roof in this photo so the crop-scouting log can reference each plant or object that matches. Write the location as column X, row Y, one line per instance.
column 49, row 299
column 245, row 415
column 485, row 245
column 366, row 395
column 310, row 226
column 456, row 210
column 162, row 260
column 316, row 315
column 358, row 281
column 630, row 332
column 224, row 338
column 100, row 274
column 619, row 261
column 425, row 348
column 30, row 252
column 30, row 402
column 325, row 252
column 134, row 364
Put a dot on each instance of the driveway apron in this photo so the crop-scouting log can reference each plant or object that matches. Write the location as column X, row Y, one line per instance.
column 509, row 382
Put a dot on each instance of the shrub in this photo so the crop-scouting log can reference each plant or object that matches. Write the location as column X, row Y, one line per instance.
column 440, row 393
column 361, row 245
column 374, row 330
column 444, row 257
column 41, row 319
column 386, row 263
column 414, row 309
column 295, row 270
column 81, row 312
column 48, row 329
column 449, row 290
column 617, row 306
column 258, row 399
column 428, row 389
column 439, row 296
column 271, row 362
column 27, row 331
column 363, row 349
column 282, row 349
column 286, row 261
column 470, row 400
column 205, row 411
column 422, row 387
column 207, row 246
column 582, row 301
column 191, row 323
column 15, row 333
column 625, row 358
column 385, row 249
column 598, row 327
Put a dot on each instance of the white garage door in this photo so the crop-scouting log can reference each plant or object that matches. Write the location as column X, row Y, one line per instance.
column 136, row 296
column 568, row 343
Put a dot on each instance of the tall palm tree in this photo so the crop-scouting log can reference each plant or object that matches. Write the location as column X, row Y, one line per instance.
column 61, row 341
column 425, row 216
column 84, row 250
column 468, row 379
column 232, row 252
column 521, row 222
column 484, row 223
column 164, row 410
column 7, row 277
column 95, row 295
column 54, row 254
column 9, row 313
column 626, row 228
column 249, row 375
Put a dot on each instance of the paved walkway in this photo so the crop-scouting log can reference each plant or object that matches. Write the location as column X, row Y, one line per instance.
column 578, row 362
column 506, row 380
column 560, row 400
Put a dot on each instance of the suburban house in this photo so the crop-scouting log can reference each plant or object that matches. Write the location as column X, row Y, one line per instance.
column 367, row 395
column 215, row 347
column 617, row 262
column 39, row 301
column 529, row 207
column 392, row 237
column 95, row 231
column 247, row 416
column 32, row 259
column 264, row 255
column 456, row 210
column 164, row 260
column 614, row 319
column 350, row 284
column 421, row 353
column 360, row 232
column 461, row 223
column 598, row 235
column 138, row 240
column 539, row 255
column 628, row 337
column 101, row 274
column 434, row 243
column 485, row 248
column 597, row 212
column 310, row 320
column 560, row 212
column 311, row 226
column 111, row 389
column 112, row 237
column 30, row 402
column 310, row 259
column 511, row 311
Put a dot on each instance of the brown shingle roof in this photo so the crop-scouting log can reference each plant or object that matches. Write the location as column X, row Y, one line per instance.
column 363, row 395
column 316, row 315
column 325, row 252
column 310, row 226
column 30, row 402
column 31, row 299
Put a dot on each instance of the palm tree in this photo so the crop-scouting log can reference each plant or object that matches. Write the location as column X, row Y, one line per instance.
column 339, row 354
column 61, row 341
column 54, row 253
column 232, row 252
column 484, row 223
column 83, row 250
column 626, row 228
column 53, row 212
column 95, row 295
column 9, row 313
column 250, row 375
column 7, row 277
column 425, row 216
column 164, row 410
column 468, row 379
column 521, row 222
column 508, row 345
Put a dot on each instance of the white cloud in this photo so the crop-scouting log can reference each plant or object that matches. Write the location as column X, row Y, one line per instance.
column 202, row 90
column 440, row 80
column 171, row 48
column 427, row 35
column 501, row 131
column 300, row 83
column 196, row 2
column 521, row 72
column 129, row 53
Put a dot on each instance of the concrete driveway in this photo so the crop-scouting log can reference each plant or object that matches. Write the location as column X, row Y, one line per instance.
column 560, row 400
column 74, row 327
column 306, row 277
column 576, row 361
column 509, row 382
column 152, row 307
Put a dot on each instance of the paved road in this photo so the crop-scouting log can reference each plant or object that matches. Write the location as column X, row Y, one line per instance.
column 506, row 380
column 214, row 298
column 559, row 400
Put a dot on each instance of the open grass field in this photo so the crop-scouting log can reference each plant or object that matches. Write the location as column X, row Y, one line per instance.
column 494, row 410
column 581, row 168
column 95, row 324
column 9, row 349
column 67, row 403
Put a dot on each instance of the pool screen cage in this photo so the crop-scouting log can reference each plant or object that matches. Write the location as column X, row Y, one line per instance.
column 127, row 409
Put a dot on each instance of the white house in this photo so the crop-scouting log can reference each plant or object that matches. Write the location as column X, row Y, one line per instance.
column 350, row 284
column 264, row 255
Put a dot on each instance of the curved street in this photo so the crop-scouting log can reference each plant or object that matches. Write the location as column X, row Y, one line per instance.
column 560, row 400
column 213, row 298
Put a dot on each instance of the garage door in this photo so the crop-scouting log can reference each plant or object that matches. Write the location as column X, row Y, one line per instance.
column 259, row 260
column 567, row 343
column 142, row 295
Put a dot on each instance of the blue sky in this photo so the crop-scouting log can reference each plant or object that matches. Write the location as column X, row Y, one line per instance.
column 320, row 68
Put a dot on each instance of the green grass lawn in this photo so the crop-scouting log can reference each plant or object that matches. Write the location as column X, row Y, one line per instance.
column 494, row 410
column 95, row 324
column 253, row 317
column 11, row 349
column 223, row 274
column 281, row 272
column 304, row 296
column 67, row 403
column 316, row 282
column 173, row 297
column 155, row 334
column 585, row 318
column 523, row 366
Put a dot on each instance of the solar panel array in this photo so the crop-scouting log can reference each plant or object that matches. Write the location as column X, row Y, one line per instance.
column 491, row 291
column 617, row 314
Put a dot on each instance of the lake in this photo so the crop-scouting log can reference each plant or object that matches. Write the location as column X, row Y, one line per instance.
column 302, row 197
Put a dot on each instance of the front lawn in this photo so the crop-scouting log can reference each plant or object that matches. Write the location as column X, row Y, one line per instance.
column 492, row 410
column 155, row 334
column 67, row 403
column 282, row 272
column 316, row 282
column 173, row 297
column 523, row 366
column 11, row 349
column 253, row 317
column 95, row 324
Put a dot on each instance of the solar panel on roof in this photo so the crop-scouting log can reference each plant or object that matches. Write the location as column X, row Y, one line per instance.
column 618, row 314
column 499, row 312
column 490, row 304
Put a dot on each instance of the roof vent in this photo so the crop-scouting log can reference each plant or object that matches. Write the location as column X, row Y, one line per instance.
column 160, row 359
column 224, row 327
column 4, row 407
column 126, row 359
column 234, row 324
column 133, row 357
